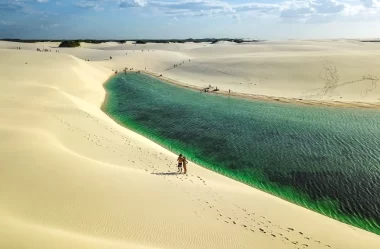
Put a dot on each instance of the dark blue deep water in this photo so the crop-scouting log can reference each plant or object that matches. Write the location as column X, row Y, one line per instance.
column 325, row 159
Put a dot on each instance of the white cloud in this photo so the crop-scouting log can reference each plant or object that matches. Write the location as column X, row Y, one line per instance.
column 360, row 13
column 86, row 4
column 296, row 10
column 287, row 10
column 90, row 4
column 327, row 6
column 353, row 10
column 318, row 10
column 370, row 3
column 2, row 22
column 132, row 3
column 193, row 7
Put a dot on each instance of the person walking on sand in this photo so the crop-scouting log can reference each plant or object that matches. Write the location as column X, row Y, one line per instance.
column 184, row 165
column 180, row 162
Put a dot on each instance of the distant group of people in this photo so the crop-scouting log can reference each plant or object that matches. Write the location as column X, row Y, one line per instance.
column 210, row 88
column 45, row 50
column 176, row 65
column 182, row 162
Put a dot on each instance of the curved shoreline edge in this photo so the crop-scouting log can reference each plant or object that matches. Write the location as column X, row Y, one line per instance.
column 344, row 219
column 264, row 98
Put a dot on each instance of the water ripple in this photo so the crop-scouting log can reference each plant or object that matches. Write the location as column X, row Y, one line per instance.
column 326, row 159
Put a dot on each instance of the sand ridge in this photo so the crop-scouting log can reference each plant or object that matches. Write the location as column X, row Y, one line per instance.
column 326, row 72
column 72, row 177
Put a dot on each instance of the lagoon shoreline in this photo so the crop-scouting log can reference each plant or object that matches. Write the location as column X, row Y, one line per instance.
column 73, row 177
column 276, row 99
column 299, row 198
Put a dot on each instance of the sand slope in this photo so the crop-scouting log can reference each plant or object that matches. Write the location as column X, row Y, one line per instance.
column 71, row 177
column 320, row 71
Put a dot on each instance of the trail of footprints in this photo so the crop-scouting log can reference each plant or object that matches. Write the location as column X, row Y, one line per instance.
column 251, row 222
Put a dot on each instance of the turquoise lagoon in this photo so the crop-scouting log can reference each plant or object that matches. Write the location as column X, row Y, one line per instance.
column 325, row 159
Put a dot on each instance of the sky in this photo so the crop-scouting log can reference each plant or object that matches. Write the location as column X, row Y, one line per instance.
column 164, row 19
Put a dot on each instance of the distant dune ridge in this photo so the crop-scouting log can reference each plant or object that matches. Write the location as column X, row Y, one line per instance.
column 70, row 177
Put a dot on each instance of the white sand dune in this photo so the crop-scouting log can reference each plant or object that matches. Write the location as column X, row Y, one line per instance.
column 327, row 72
column 70, row 177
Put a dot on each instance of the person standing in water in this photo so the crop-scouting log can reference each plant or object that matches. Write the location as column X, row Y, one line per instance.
column 180, row 162
column 184, row 165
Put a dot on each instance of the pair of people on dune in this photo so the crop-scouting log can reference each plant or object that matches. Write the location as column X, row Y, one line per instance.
column 182, row 161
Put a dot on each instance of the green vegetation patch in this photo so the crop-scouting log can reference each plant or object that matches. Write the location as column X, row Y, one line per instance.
column 69, row 44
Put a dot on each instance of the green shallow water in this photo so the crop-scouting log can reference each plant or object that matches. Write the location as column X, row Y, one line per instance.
column 325, row 159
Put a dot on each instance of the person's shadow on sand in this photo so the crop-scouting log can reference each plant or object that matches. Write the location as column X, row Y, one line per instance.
column 167, row 173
